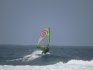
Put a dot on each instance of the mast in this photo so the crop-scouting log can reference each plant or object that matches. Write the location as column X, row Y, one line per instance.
column 49, row 35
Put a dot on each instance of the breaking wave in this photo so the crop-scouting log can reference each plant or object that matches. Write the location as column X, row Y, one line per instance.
column 70, row 65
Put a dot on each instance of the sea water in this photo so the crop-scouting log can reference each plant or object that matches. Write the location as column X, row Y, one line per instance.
column 22, row 57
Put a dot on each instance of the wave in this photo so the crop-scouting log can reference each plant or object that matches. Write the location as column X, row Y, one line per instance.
column 70, row 65
column 80, row 62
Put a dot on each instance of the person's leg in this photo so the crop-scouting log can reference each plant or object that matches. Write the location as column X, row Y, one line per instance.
column 43, row 52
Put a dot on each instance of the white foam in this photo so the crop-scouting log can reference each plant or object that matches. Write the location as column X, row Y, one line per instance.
column 80, row 62
column 35, row 54
column 71, row 65
column 32, row 56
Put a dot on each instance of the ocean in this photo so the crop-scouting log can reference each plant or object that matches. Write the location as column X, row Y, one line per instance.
column 27, row 57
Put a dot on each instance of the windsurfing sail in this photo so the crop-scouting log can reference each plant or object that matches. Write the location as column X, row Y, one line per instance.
column 44, row 39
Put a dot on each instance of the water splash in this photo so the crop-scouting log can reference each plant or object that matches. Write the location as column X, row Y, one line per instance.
column 32, row 56
column 35, row 54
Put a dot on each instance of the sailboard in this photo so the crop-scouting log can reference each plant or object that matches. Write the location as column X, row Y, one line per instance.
column 44, row 39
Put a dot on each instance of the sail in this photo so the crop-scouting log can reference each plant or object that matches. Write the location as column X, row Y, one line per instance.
column 44, row 39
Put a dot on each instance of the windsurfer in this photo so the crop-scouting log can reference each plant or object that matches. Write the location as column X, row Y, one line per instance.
column 46, row 49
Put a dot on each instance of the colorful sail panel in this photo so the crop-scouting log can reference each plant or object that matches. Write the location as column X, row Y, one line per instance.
column 44, row 39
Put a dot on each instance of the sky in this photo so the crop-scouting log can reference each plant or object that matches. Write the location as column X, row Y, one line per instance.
column 70, row 21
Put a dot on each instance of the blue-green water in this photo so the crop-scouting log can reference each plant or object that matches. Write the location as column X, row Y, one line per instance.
column 62, row 53
column 72, row 58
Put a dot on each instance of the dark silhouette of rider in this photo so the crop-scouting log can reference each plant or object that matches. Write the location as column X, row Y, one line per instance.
column 46, row 49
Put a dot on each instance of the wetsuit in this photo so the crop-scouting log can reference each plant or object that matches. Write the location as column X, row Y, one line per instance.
column 46, row 49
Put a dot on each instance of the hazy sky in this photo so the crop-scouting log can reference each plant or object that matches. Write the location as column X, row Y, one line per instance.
column 71, row 21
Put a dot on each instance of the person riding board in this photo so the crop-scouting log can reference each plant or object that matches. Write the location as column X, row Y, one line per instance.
column 46, row 49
